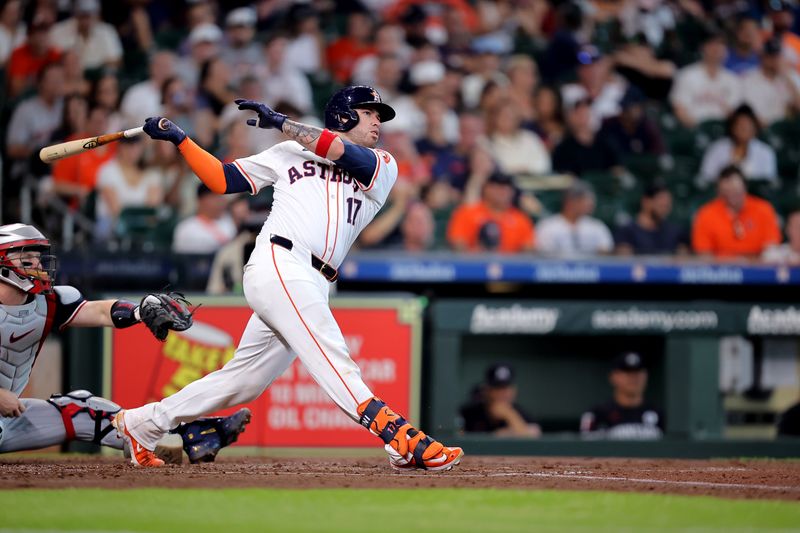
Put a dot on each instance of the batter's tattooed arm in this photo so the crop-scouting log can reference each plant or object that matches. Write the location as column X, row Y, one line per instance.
column 322, row 142
column 302, row 133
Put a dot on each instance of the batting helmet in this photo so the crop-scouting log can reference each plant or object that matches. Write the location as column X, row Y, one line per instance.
column 25, row 259
column 340, row 114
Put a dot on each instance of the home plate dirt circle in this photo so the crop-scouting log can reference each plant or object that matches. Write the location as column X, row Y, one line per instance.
column 757, row 479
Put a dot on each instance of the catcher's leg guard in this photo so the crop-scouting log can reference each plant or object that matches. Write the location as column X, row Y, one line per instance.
column 407, row 446
column 205, row 437
column 87, row 417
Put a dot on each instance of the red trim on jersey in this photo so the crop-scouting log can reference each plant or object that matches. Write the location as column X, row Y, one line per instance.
column 335, row 235
column 246, row 175
column 274, row 262
column 327, row 209
column 72, row 316
column 324, row 143
column 67, row 412
column 50, row 298
column 374, row 174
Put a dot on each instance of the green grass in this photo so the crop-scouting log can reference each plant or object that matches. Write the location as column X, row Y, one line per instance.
column 374, row 511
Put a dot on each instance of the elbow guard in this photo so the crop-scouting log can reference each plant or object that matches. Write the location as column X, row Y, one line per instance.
column 124, row 314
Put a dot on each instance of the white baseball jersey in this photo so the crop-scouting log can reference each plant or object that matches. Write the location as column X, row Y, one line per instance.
column 316, row 204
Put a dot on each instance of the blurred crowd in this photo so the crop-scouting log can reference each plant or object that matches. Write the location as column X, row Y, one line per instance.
column 558, row 127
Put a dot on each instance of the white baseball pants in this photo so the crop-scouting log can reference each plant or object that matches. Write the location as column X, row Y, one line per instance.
column 291, row 318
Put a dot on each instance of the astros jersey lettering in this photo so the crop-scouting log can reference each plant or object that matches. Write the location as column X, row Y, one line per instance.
column 316, row 204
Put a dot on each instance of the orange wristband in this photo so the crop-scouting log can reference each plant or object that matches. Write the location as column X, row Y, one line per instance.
column 324, row 143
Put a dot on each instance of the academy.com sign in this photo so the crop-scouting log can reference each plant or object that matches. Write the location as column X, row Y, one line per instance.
column 514, row 319
column 637, row 319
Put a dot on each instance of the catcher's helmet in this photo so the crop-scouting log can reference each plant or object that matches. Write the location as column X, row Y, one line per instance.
column 339, row 111
column 25, row 259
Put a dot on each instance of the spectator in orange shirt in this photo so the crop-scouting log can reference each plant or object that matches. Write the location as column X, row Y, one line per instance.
column 493, row 224
column 343, row 53
column 735, row 224
column 75, row 177
column 27, row 60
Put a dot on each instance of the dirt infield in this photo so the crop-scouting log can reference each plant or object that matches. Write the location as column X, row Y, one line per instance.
column 722, row 478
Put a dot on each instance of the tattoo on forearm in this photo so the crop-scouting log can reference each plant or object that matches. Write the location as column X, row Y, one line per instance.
column 302, row 133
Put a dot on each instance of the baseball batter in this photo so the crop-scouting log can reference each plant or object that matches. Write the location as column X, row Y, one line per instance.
column 328, row 185
column 30, row 308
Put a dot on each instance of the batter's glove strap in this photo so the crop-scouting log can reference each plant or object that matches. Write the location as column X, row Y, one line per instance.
column 164, row 312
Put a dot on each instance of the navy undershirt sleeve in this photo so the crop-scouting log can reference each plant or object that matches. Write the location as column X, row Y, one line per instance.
column 234, row 180
column 359, row 161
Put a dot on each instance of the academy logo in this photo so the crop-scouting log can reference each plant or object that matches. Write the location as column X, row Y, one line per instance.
column 514, row 319
column 773, row 321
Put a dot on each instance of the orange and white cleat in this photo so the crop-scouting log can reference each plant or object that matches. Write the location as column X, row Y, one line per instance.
column 408, row 448
column 140, row 456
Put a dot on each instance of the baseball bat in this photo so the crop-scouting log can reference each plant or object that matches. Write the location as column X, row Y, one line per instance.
column 48, row 154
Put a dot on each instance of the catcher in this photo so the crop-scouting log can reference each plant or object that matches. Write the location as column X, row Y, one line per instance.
column 30, row 308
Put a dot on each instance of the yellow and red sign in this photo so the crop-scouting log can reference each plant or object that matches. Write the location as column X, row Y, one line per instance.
column 293, row 411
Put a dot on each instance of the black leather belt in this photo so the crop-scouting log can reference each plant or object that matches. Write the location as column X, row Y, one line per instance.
column 330, row 273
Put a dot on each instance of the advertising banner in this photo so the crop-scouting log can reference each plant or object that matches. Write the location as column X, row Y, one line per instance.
column 383, row 337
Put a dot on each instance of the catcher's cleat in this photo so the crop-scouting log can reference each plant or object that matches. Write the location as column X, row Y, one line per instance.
column 140, row 456
column 407, row 446
column 205, row 437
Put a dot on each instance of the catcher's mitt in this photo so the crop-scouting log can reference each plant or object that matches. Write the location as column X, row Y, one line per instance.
column 164, row 312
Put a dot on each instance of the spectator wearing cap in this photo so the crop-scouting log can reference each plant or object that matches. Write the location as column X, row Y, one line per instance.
column 96, row 42
column 582, row 150
column 744, row 54
column 486, row 61
column 632, row 132
column 427, row 78
column 204, row 42
column 735, row 224
column 28, row 60
column 12, row 29
column 306, row 46
column 651, row 232
column 706, row 90
column 598, row 83
column 281, row 80
column 143, row 99
column 493, row 224
column 755, row 159
column 493, row 408
column 209, row 229
column 516, row 150
column 787, row 253
column 574, row 232
column 627, row 416
column 123, row 182
column 773, row 89
column 240, row 51
column 342, row 55
column 781, row 16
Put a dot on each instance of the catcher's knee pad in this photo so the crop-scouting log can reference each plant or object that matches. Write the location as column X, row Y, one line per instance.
column 98, row 409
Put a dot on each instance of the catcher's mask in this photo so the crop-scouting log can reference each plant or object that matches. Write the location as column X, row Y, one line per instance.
column 25, row 259
column 340, row 114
